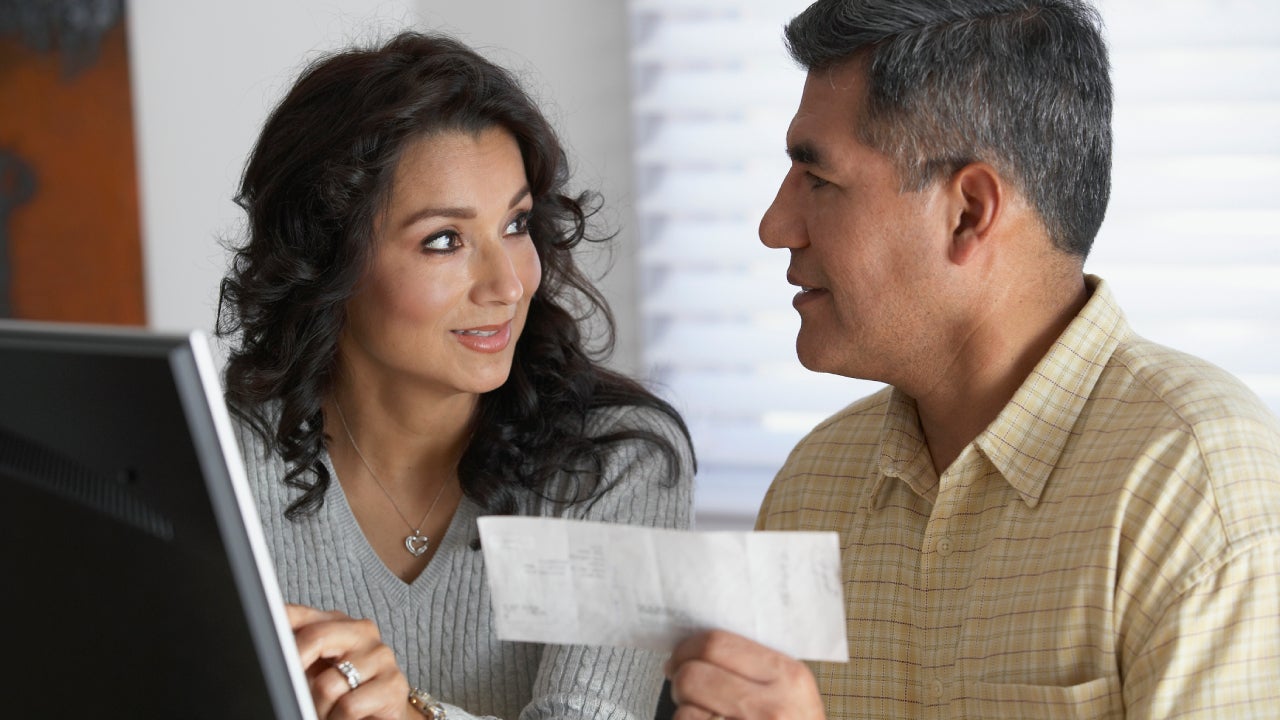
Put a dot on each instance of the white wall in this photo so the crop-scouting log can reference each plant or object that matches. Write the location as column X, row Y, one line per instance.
column 206, row 74
column 573, row 57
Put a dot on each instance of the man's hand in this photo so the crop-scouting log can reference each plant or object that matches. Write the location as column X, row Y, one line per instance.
column 720, row 674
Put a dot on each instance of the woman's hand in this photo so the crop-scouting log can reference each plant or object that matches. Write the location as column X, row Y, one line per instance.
column 327, row 640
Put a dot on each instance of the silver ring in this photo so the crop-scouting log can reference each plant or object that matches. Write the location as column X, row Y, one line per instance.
column 350, row 673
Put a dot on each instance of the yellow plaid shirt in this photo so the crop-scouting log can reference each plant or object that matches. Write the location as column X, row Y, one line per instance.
column 1109, row 547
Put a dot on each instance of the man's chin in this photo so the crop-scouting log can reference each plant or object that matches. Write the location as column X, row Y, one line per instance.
column 813, row 355
column 823, row 357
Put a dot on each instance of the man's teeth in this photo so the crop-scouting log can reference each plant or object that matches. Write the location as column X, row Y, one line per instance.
column 479, row 333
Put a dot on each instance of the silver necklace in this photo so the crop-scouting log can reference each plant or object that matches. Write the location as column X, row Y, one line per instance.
column 416, row 543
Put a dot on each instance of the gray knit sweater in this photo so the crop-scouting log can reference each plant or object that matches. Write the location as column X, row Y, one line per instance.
column 441, row 625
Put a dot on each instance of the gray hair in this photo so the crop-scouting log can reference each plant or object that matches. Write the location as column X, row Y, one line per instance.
column 1021, row 84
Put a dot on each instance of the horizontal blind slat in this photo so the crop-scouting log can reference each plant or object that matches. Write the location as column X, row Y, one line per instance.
column 1191, row 243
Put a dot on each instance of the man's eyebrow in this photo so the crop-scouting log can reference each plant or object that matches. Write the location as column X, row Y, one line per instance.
column 804, row 153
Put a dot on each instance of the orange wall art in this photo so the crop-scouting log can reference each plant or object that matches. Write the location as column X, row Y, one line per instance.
column 70, row 240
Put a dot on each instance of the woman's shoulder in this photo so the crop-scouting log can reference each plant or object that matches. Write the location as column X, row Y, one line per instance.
column 648, row 431
column 633, row 417
column 640, row 472
column 647, row 474
column 252, row 433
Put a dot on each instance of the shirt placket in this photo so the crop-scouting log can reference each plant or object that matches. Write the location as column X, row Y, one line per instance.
column 944, row 581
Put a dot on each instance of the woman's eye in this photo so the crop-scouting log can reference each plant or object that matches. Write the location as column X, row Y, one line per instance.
column 442, row 242
column 519, row 225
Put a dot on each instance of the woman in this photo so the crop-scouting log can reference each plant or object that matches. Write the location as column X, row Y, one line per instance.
column 406, row 357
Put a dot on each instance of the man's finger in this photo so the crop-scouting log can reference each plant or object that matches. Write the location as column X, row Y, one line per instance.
column 732, row 652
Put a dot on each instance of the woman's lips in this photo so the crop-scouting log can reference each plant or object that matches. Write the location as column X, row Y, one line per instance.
column 486, row 338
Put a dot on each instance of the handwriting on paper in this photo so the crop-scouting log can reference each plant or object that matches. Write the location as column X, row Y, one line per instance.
column 570, row 581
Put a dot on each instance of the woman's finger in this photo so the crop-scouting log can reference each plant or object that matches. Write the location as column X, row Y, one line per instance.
column 383, row 698
column 350, row 671
column 299, row 615
column 364, row 682
column 328, row 687
column 335, row 639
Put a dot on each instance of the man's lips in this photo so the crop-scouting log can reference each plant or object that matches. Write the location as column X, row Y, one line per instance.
column 808, row 293
column 804, row 286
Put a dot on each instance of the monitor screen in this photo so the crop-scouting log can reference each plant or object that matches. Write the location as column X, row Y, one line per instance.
column 136, row 580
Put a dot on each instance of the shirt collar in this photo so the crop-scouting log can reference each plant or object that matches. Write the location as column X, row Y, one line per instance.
column 903, row 453
column 1026, row 440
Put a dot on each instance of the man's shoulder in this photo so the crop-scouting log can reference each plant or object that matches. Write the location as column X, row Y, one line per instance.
column 857, row 420
column 1199, row 427
column 827, row 467
column 1150, row 380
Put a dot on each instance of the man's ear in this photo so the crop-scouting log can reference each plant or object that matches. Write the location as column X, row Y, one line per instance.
column 977, row 195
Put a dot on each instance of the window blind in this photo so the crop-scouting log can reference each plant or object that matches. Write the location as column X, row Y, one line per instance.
column 1191, row 244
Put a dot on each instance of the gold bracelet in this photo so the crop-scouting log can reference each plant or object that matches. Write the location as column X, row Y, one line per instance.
column 425, row 704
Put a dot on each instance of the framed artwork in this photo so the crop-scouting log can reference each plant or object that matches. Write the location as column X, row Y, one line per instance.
column 70, row 237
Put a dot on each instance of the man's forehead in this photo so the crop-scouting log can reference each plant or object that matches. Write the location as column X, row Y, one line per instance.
column 847, row 76
column 828, row 114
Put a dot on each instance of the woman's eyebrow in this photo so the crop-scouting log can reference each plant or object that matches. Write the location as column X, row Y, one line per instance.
column 461, row 213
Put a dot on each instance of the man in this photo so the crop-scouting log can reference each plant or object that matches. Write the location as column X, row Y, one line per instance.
column 1043, row 514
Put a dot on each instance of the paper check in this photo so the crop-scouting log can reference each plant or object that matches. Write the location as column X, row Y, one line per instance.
column 591, row 583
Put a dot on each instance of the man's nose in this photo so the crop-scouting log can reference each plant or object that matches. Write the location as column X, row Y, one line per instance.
column 782, row 226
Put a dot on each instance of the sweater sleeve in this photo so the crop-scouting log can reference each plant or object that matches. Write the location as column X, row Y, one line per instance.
column 642, row 486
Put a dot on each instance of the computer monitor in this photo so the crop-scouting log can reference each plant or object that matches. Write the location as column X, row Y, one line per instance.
column 136, row 580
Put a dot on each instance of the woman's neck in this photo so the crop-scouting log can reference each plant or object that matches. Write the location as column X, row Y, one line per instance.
column 402, row 436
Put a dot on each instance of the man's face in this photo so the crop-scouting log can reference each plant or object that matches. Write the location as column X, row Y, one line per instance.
column 871, row 261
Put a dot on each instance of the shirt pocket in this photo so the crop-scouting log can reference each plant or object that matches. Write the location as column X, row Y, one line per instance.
column 1092, row 700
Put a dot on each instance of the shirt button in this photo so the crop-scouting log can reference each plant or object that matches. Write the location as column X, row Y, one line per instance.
column 937, row 689
column 944, row 546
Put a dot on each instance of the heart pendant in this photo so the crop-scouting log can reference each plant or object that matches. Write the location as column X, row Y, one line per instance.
column 417, row 544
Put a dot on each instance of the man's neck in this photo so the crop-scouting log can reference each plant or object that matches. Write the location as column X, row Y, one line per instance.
column 991, row 361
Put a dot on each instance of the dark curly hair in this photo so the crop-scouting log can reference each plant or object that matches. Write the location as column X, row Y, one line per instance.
column 318, row 177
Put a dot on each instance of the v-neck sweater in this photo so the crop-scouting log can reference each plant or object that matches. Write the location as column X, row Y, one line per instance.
column 441, row 625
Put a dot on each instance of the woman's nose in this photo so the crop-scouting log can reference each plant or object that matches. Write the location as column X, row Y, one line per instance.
column 498, row 278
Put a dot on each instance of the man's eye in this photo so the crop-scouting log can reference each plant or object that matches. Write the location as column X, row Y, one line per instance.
column 519, row 225
column 445, row 241
column 816, row 182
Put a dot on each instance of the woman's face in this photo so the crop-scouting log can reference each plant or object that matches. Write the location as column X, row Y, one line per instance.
column 453, row 270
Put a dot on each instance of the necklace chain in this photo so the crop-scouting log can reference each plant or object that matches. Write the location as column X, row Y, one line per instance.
column 416, row 543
